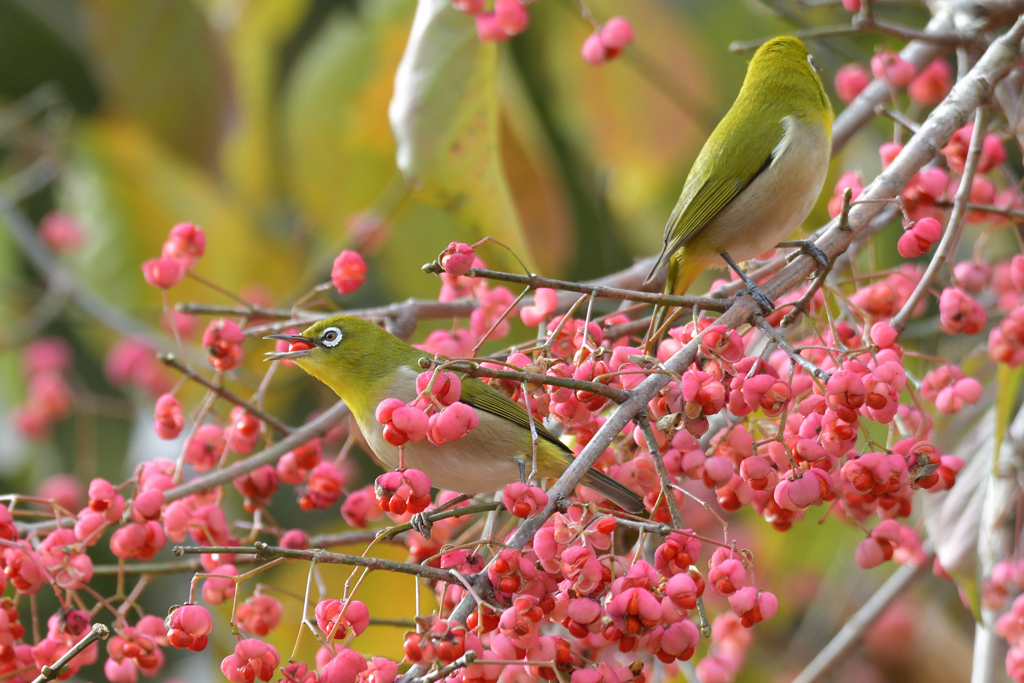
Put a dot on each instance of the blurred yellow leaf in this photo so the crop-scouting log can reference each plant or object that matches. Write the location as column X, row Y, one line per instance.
column 339, row 154
column 444, row 114
column 1008, row 385
column 254, row 44
column 624, row 117
column 532, row 171
column 128, row 190
column 160, row 64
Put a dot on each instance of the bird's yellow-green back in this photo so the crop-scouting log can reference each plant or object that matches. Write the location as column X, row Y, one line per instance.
column 781, row 81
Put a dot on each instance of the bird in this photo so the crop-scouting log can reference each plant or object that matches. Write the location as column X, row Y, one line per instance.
column 757, row 176
column 364, row 364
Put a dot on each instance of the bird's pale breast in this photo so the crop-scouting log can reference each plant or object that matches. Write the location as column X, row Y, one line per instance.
column 483, row 460
column 776, row 202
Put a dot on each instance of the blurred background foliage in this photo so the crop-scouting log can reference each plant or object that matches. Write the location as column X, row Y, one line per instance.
column 266, row 122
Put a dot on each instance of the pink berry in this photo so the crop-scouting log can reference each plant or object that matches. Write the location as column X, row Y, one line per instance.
column 60, row 232
column 168, row 419
column 511, row 16
column 933, row 83
column 1017, row 272
column 489, row 30
column 593, row 50
column 186, row 242
column 890, row 67
column 889, row 151
column 851, row 79
column 457, row 259
column 223, row 342
column 928, row 229
column 616, row 34
column 163, row 272
column 349, row 272
column 883, row 335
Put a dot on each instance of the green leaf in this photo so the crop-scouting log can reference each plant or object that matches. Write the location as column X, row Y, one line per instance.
column 444, row 114
column 1008, row 385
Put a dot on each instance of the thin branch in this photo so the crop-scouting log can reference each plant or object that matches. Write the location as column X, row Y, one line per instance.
column 663, row 475
column 464, row 660
column 54, row 671
column 400, row 317
column 437, row 516
column 793, row 354
column 264, row 550
column 603, row 291
column 951, row 236
column 473, row 369
column 848, row 638
column 171, row 361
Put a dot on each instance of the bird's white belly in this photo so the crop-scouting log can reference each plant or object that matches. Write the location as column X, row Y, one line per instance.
column 476, row 463
column 778, row 200
column 484, row 460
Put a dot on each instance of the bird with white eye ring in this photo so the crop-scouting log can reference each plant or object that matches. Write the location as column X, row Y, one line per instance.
column 756, row 178
column 364, row 364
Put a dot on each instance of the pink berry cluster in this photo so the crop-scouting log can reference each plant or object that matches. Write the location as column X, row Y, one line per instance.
column 965, row 303
column 436, row 413
column 607, row 41
column 509, row 18
column 46, row 363
column 184, row 246
column 927, row 88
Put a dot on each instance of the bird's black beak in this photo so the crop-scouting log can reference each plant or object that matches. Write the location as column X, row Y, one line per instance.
column 296, row 340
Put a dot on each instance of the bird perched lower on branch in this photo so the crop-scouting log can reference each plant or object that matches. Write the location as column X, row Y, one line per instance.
column 758, row 175
column 364, row 365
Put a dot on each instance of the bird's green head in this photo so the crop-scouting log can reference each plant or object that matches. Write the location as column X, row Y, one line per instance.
column 785, row 67
column 352, row 356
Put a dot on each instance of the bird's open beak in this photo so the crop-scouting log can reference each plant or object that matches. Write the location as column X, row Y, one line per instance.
column 298, row 347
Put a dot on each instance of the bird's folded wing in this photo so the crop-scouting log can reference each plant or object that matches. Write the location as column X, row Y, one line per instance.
column 482, row 396
column 724, row 168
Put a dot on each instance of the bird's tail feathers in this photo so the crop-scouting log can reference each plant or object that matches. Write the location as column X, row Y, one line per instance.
column 614, row 491
column 681, row 274
column 662, row 258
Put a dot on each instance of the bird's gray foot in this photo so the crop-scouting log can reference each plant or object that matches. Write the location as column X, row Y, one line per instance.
column 421, row 524
column 810, row 248
column 762, row 299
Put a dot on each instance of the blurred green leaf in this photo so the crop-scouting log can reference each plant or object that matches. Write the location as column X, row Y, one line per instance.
column 248, row 154
column 533, row 174
column 160, row 63
column 339, row 153
column 1008, row 385
column 128, row 190
column 34, row 51
column 444, row 114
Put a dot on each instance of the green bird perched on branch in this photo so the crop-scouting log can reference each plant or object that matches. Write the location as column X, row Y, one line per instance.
column 364, row 365
column 757, row 176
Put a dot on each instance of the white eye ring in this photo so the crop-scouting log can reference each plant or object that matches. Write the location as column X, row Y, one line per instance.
column 814, row 65
column 331, row 337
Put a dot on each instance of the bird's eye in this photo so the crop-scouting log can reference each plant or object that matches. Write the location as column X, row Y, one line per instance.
column 331, row 337
column 814, row 64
